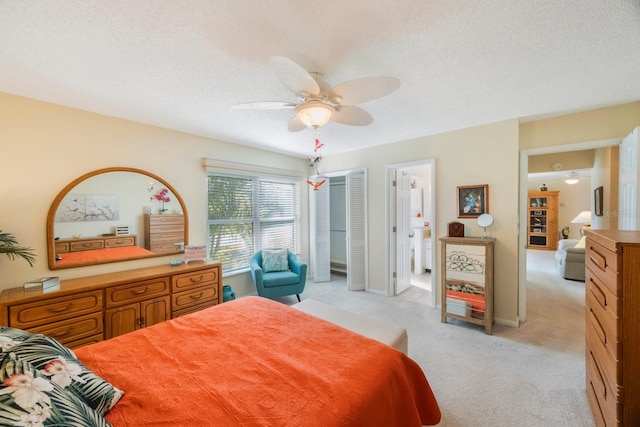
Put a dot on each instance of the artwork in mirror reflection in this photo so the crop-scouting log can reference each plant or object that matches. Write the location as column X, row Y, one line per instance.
column 109, row 217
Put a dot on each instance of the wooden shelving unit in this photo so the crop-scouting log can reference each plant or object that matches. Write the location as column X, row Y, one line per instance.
column 467, row 280
column 542, row 220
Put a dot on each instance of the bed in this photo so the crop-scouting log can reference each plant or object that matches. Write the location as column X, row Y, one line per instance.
column 93, row 255
column 256, row 362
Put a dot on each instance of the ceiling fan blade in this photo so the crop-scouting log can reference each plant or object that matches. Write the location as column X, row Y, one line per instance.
column 363, row 90
column 293, row 77
column 264, row 105
column 296, row 125
column 352, row 115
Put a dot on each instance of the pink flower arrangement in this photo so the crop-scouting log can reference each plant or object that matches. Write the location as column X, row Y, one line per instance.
column 163, row 197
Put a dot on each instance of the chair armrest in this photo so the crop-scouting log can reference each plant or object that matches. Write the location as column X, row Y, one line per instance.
column 297, row 266
column 256, row 271
column 575, row 254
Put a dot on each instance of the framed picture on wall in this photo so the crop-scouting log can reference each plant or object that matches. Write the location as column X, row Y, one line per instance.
column 597, row 201
column 473, row 200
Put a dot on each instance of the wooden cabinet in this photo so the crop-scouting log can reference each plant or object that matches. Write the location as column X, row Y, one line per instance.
column 151, row 305
column 90, row 309
column 163, row 233
column 131, row 317
column 612, row 334
column 467, row 280
column 542, row 219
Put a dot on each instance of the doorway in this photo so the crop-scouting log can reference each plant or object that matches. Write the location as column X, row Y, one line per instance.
column 338, row 224
column 524, row 168
column 411, row 209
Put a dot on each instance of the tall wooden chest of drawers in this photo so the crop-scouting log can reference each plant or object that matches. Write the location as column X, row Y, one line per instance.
column 613, row 326
column 163, row 233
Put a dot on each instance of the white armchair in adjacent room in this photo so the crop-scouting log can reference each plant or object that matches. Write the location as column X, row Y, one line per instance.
column 570, row 258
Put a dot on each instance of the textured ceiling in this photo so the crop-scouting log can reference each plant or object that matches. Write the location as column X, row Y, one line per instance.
column 180, row 64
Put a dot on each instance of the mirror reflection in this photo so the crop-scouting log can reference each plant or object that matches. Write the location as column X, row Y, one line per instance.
column 115, row 214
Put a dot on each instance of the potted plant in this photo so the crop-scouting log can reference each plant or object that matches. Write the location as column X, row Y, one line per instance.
column 10, row 246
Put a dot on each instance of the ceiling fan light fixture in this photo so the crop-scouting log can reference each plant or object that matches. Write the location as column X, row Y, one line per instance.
column 314, row 113
column 572, row 178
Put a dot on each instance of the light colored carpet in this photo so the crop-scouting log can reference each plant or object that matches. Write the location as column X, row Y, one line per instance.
column 527, row 376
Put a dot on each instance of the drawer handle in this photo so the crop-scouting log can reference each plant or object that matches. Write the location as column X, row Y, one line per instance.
column 596, row 291
column 140, row 291
column 119, row 242
column 598, row 327
column 64, row 334
column 196, row 297
column 61, row 309
column 598, row 260
column 193, row 280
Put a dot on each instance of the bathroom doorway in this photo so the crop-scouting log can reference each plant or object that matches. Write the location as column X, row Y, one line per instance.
column 411, row 221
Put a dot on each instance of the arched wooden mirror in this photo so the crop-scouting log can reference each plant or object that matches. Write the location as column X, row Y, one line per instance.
column 115, row 214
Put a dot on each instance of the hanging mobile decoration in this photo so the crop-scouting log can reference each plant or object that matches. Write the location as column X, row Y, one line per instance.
column 314, row 161
column 316, row 185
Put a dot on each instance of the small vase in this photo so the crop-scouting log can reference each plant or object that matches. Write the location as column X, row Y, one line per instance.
column 227, row 293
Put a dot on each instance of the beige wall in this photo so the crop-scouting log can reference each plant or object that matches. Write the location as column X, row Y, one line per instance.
column 594, row 125
column 45, row 147
column 481, row 155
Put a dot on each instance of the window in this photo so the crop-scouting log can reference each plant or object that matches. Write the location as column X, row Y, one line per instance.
column 246, row 214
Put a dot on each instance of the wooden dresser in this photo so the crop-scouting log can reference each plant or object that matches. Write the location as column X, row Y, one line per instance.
column 613, row 326
column 163, row 233
column 97, row 242
column 93, row 308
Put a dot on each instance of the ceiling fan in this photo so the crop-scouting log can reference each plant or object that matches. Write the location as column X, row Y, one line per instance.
column 318, row 102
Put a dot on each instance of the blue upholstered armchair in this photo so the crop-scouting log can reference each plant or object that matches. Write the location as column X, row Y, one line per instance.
column 279, row 278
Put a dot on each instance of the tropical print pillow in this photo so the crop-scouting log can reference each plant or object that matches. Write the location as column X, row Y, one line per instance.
column 9, row 337
column 275, row 260
column 29, row 399
column 59, row 365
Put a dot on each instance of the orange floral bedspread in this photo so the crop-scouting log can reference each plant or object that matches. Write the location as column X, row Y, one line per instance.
column 256, row 362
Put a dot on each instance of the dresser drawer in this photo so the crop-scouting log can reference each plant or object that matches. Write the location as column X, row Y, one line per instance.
column 600, row 324
column 138, row 291
column 192, row 309
column 29, row 315
column 73, row 329
column 158, row 220
column 167, row 228
column 604, row 264
column 62, row 248
column 86, row 245
column 181, row 282
column 204, row 296
column 167, row 237
column 607, row 401
column 609, row 366
column 85, row 341
column 165, row 248
column 597, row 293
column 116, row 242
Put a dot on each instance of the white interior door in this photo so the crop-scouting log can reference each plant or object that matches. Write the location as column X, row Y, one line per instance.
column 319, row 227
column 403, row 231
column 628, row 183
column 356, row 231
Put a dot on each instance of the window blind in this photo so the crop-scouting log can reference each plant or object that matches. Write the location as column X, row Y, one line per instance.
column 247, row 214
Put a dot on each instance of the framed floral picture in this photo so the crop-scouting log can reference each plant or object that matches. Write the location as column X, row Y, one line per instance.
column 473, row 200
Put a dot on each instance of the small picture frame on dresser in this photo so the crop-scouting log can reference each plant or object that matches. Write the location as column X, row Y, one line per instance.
column 194, row 253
